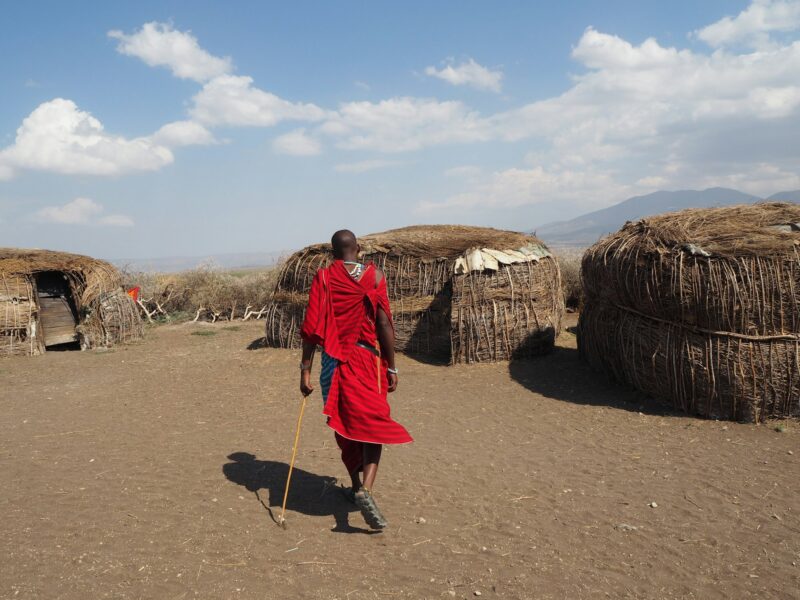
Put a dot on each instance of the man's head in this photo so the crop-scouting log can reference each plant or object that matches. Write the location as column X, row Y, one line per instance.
column 345, row 246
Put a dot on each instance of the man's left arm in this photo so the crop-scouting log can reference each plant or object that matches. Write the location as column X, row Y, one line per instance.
column 310, row 334
column 386, row 340
column 305, row 367
column 385, row 330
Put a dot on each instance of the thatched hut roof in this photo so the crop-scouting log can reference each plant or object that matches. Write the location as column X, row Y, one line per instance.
column 701, row 307
column 95, row 276
column 442, row 241
column 422, row 265
column 434, row 241
column 23, row 260
column 763, row 229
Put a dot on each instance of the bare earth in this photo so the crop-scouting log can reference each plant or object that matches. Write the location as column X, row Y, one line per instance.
column 155, row 471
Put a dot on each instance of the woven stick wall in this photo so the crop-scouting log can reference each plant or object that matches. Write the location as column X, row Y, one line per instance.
column 106, row 314
column 18, row 313
column 419, row 266
column 701, row 309
column 514, row 312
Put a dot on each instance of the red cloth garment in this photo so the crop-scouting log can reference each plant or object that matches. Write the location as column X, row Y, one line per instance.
column 352, row 453
column 341, row 311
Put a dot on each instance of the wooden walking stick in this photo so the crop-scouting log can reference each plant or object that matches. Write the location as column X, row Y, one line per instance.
column 282, row 518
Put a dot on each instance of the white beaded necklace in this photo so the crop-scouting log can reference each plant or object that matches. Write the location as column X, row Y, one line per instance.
column 357, row 271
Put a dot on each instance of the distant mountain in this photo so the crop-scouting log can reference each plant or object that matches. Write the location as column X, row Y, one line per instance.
column 174, row 264
column 785, row 197
column 587, row 229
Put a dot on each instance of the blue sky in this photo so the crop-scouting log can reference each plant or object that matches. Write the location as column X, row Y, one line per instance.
column 162, row 128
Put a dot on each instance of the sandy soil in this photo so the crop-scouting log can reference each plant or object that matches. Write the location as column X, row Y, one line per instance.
column 155, row 471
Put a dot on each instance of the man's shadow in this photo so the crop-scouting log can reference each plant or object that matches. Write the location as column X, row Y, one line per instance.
column 309, row 494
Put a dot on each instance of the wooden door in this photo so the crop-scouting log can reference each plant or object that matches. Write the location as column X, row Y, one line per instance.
column 56, row 309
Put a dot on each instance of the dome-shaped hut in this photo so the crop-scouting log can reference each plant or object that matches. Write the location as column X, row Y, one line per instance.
column 458, row 294
column 52, row 298
column 700, row 308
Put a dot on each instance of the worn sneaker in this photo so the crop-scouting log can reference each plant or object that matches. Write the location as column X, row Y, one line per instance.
column 365, row 501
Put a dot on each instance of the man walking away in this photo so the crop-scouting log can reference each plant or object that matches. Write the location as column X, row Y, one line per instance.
column 348, row 315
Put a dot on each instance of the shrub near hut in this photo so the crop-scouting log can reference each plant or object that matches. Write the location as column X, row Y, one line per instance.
column 52, row 298
column 205, row 293
column 701, row 308
column 458, row 294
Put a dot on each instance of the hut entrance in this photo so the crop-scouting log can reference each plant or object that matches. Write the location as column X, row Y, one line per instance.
column 58, row 314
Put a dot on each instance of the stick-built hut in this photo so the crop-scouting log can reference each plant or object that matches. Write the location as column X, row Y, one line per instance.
column 700, row 308
column 458, row 294
column 52, row 298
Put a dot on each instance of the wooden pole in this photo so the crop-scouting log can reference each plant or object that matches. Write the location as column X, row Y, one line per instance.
column 282, row 518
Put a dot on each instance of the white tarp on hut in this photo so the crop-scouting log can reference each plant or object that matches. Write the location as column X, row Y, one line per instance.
column 483, row 259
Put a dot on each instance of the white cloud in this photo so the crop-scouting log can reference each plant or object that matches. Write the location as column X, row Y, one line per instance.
column 636, row 115
column 652, row 181
column 159, row 45
column 60, row 138
column 365, row 165
column 225, row 98
column 393, row 125
column 82, row 211
column 517, row 187
column 183, row 133
column 116, row 221
column 635, row 92
column 470, row 74
column 403, row 124
column 635, row 106
column 651, row 111
column 759, row 179
column 464, row 172
column 233, row 100
column 752, row 26
column 297, row 143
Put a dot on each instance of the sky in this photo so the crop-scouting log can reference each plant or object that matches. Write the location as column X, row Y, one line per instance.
column 152, row 129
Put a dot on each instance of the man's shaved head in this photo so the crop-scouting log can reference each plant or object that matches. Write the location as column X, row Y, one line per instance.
column 344, row 244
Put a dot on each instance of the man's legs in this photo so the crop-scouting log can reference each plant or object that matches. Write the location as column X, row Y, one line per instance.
column 352, row 457
column 364, row 498
column 360, row 456
column 371, row 458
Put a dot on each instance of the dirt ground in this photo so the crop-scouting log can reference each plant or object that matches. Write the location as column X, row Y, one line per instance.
column 155, row 471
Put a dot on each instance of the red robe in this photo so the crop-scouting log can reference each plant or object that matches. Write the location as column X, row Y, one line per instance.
column 341, row 311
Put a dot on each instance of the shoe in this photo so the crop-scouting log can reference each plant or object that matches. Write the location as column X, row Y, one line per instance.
column 369, row 510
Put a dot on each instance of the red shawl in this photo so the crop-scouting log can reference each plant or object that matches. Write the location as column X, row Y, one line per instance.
column 338, row 306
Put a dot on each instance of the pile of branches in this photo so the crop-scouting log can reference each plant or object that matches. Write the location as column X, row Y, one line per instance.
column 701, row 308
column 203, row 294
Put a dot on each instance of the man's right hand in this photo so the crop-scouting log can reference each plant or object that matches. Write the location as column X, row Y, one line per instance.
column 305, row 382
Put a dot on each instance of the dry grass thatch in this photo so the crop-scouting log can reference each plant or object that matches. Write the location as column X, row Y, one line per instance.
column 477, row 316
column 106, row 315
column 701, row 308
